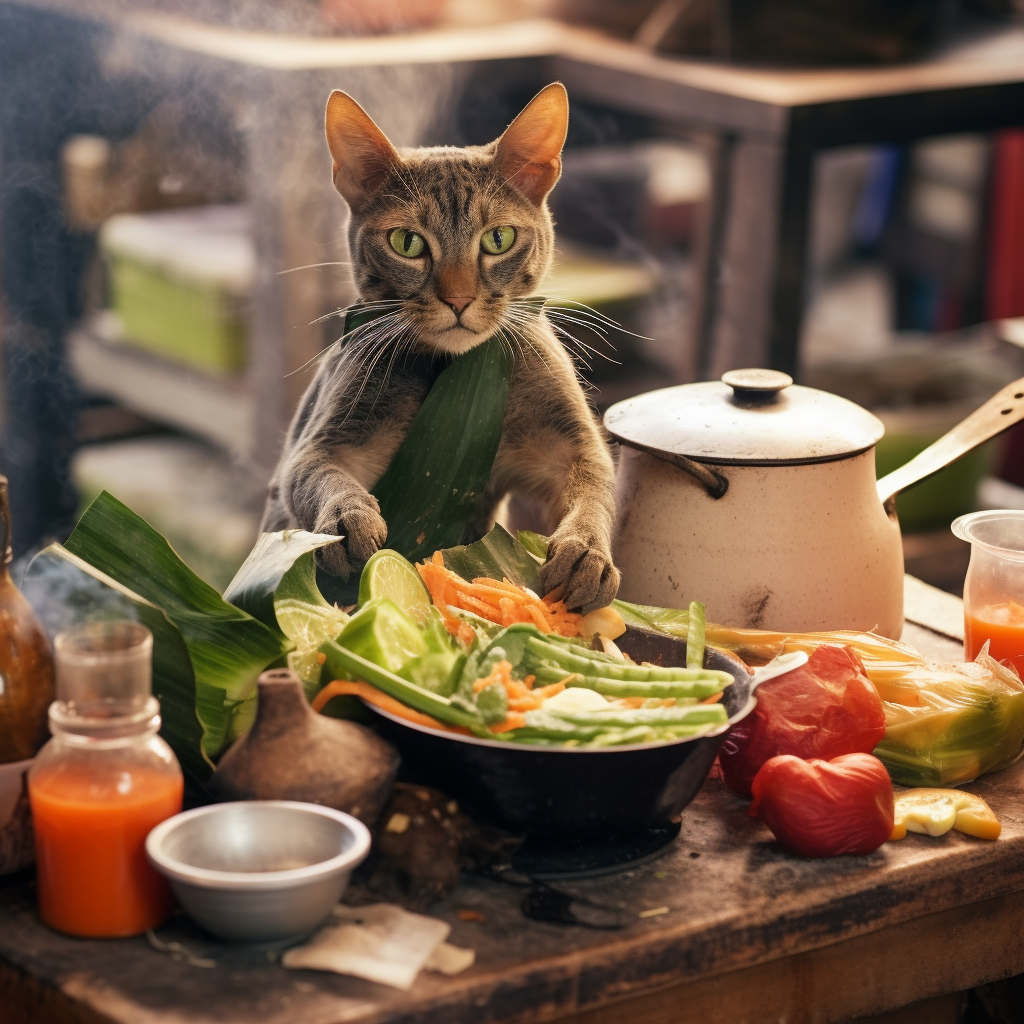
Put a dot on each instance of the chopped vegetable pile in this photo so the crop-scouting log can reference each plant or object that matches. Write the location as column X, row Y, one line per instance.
column 501, row 602
column 490, row 658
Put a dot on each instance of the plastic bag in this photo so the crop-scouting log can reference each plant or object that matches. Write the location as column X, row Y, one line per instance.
column 947, row 724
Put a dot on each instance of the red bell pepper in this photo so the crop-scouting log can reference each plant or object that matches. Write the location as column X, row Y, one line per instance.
column 825, row 808
column 823, row 709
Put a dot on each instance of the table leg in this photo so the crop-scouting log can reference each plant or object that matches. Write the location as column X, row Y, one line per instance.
column 756, row 282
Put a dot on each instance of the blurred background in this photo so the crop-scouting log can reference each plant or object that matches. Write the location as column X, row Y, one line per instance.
column 833, row 189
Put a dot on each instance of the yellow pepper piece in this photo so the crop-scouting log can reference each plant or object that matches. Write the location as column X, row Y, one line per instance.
column 935, row 811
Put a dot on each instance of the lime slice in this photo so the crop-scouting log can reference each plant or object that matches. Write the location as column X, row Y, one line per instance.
column 388, row 574
column 382, row 633
column 308, row 626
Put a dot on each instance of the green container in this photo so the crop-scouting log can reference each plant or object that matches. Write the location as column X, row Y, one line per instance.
column 180, row 282
column 192, row 323
column 937, row 501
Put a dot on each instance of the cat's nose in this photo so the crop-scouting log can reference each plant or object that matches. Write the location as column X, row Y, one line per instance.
column 457, row 302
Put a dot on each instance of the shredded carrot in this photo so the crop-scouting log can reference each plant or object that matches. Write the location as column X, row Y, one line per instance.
column 713, row 699
column 515, row 720
column 504, row 584
column 498, row 601
column 473, row 604
column 486, row 590
column 507, row 608
column 500, row 674
column 549, row 691
column 347, row 687
column 540, row 620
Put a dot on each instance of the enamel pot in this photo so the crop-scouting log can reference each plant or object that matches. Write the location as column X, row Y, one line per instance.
column 758, row 497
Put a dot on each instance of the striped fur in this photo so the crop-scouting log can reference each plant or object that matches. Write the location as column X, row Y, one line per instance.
column 366, row 393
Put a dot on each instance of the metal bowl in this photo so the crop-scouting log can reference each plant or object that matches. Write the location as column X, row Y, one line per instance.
column 550, row 791
column 259, row 871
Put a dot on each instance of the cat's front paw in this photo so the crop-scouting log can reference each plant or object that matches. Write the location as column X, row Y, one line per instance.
column 362, row 529
column 587, row 573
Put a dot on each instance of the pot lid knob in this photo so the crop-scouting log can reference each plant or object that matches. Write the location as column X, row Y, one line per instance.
column 756, row 384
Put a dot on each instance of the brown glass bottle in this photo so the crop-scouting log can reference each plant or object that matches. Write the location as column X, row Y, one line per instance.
column 26, row 660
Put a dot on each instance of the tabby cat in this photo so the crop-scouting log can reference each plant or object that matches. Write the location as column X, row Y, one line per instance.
column 449, row 242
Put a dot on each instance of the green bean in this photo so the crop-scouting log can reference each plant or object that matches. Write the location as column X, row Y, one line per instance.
column 585, row 740
column 341, row 662
column 620, row 737
column 624, row 718
column 698, row 688
column 541, row 652
column 695, row 636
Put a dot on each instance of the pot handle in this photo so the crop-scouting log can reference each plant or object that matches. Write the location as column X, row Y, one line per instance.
column 714, row 483
column 999, row 413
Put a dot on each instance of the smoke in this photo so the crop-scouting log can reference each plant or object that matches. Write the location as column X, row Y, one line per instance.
column 63, row 595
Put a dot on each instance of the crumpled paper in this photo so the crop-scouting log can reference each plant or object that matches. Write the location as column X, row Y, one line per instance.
column 382, row 943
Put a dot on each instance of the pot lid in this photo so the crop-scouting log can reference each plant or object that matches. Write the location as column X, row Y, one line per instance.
column 754, row 417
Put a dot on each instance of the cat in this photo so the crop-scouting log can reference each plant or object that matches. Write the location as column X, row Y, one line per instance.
column 449, row 242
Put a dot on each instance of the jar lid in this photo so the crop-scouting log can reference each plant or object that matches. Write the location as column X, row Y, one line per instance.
column 750, row 417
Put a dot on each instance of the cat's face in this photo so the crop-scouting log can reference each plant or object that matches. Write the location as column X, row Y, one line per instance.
column 447, row 239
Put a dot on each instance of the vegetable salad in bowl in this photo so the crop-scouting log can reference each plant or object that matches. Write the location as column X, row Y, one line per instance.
column 488, row 657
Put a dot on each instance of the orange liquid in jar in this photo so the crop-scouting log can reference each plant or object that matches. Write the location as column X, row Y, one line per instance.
column 91, row 827
column 1003, row 625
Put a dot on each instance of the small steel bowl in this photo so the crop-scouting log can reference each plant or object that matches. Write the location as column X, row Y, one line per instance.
column 259, row 871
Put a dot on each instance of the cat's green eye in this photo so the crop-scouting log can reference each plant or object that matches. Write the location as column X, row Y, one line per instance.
column 498, row 240
column 407, row 243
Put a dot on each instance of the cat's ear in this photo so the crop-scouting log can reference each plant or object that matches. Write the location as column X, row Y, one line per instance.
column 529, row 154
column 363, row 157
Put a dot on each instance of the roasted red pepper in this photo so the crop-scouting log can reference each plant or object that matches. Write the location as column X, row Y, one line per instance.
column 823, row 709
column 825, row 808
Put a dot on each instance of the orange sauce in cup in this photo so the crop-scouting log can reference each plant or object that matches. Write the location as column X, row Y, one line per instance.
column 1002, row 625
column 91, row 827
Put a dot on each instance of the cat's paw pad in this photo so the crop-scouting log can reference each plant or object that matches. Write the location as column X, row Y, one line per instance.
column 363, row 531
column 587, row 573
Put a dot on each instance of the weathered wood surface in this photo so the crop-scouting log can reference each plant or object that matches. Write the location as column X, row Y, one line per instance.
column 736, row 904
column 751, row 934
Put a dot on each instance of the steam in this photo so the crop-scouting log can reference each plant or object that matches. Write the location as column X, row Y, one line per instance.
column 63, row 595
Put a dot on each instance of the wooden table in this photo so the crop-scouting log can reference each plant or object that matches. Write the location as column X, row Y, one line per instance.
column 749, row 935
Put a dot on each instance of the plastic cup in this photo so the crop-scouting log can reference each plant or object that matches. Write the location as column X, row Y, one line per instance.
column 994, row 588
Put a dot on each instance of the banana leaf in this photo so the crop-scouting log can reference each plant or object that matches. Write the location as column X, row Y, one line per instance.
column 498, row 555
column 281, row 558
column 428, row 491
column 228, row 648
column 535, row 543
column 65, row 592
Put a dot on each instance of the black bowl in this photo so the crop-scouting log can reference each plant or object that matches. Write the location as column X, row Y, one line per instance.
column 549, row 791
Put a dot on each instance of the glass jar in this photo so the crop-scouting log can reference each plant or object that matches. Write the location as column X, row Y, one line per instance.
column 994, row 588
column 100, row 784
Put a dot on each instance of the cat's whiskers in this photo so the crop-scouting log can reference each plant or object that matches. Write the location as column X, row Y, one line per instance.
column 397, row 333
column 519, row 318
column 373, row 304
column 310, row 266
column 364, row 339
column 583, row 310
column 554, row 317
